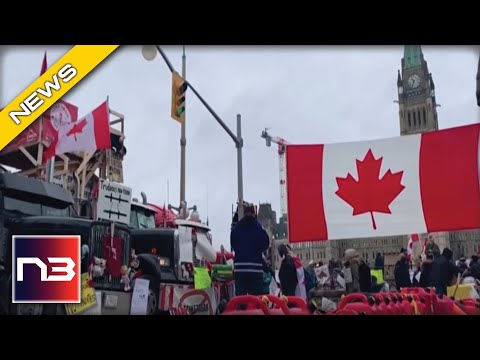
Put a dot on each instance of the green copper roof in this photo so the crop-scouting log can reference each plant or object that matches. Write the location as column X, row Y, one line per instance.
column 412, row 55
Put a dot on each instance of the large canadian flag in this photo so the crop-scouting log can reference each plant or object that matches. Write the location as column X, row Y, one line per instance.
column 406, row 185
column 90, row 133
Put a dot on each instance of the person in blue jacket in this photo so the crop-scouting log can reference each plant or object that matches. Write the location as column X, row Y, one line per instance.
column 248, row 240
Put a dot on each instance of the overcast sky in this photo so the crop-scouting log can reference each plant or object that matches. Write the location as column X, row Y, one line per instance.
column 304, row 94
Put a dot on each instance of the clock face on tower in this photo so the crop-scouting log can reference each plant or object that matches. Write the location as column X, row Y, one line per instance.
column 414, row 81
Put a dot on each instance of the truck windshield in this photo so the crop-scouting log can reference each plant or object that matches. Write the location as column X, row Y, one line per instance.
column 33, row 209
column 141, row 219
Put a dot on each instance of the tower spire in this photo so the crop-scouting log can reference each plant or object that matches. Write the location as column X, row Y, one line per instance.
column 412, row 56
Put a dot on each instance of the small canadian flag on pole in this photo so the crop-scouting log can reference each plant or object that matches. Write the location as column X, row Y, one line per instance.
column 90, row 133
column 413, row 238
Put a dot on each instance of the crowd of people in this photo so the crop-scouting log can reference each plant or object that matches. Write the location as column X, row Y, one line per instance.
column 436, row 270
column 254, row 274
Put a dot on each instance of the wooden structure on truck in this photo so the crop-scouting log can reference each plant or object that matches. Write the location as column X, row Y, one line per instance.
column 77, row 171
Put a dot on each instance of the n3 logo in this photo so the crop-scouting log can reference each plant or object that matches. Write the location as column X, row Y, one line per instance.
column 46, row 269
column 69, row 269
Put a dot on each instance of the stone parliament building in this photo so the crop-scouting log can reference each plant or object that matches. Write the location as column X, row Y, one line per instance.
column 417, row 114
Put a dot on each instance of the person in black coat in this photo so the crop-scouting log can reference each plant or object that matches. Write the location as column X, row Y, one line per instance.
column 365, row 277
column 426, row 270
column 443, row 272
column 379, row 261
column 402, row 273
column 475, row 267
column 249, row 240
column 287, row 273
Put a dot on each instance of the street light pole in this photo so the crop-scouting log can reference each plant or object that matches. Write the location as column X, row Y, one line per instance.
column 237, row 139
column 149, row 54
column 183, row 139
column 239, row 145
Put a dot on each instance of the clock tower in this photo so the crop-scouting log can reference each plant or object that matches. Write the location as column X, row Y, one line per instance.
column 416, row 94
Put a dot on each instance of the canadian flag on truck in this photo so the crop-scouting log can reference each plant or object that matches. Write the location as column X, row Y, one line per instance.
column 90, row 133
column 405, row 185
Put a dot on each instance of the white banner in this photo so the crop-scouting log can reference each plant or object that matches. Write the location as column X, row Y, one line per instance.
column 197, row 302
column 185, row 244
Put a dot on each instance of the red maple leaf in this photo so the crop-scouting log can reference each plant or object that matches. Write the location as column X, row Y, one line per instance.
column 77, row 128
column 370, row 193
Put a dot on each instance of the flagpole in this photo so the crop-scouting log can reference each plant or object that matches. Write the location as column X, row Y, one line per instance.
column 50, row 167
column 183, row 141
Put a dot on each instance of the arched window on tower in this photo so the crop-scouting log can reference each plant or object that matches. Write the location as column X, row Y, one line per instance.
column 419, row 118
column 409, row 120
column 424, row 117
column 414, row 119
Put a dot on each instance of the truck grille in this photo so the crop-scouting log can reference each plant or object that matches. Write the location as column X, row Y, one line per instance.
column 99, row 239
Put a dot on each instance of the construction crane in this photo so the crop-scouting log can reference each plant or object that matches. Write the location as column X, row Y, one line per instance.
column 282, row 145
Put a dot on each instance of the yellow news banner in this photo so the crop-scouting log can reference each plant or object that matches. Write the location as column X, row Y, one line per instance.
column 49, row 88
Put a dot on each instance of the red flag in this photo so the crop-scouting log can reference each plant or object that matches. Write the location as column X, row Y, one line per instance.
column 44, row 64
column 90, row 133
column 404, row 185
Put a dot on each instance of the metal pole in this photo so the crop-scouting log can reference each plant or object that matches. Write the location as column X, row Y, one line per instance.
column 237, row 139
column 478, row 82
column 50, row 168
column 165, row 58
column 214, row 114
column 239, row 164
column 183, row 140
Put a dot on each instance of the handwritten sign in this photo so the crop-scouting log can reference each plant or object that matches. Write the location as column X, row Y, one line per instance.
column 139, row 305
column 114, row 201
column 88, row 298
column 97, row 308
column 202, row 278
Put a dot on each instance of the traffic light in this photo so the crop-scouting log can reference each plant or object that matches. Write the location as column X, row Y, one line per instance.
column 179, row 87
